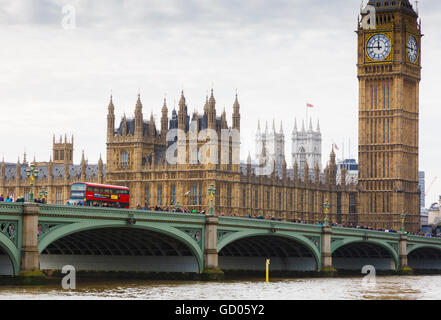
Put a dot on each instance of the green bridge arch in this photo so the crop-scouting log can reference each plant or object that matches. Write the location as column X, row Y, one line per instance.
column 386, row 246
column 10, row 250
column 423, row 245
column 171, row 231
column 285, row 234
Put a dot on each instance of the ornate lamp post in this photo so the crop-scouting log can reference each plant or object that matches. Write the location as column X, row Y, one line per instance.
column 32, row 174
column 43, row 193
column 326, row 206
column 403, row 217
column 211, row 192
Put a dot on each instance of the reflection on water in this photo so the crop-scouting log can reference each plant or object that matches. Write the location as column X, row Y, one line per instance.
column 390, row 287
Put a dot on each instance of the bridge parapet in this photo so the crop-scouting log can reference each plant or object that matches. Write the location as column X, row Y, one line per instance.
column 11, row 208
column 110, row 213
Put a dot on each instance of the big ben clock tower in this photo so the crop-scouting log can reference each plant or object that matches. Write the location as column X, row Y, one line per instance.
column 389, row 72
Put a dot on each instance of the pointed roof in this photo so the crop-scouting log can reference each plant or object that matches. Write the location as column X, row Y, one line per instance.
column 236, row 104
column 318, row 125
column 182, row 99
column 281, row 127
column 397, row 5
column 164, row 106
column 138, row 102
column 212, row 101
column 111, row 106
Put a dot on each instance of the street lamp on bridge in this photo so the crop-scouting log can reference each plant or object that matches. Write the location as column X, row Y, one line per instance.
column 211, row 192
column 32, row 174
column 326, row 206
column 403, row 218
column 43, row 193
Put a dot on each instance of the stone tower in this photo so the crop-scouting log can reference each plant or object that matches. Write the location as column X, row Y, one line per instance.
column 273, row 142
column 307, row 146
column 62, row 152
column 389, row 72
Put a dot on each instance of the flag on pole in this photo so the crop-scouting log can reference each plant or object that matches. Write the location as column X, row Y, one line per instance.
column 308, row 105
column 335, row 147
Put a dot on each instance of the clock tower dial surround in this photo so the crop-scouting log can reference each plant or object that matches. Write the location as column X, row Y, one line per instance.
column 389, row 80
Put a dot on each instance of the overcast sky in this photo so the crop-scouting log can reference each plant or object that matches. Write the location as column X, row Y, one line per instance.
column 278, row 54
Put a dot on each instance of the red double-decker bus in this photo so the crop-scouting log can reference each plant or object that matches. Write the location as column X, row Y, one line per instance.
column 99, row 195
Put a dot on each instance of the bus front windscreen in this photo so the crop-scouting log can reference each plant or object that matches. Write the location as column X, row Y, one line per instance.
column 78, row 191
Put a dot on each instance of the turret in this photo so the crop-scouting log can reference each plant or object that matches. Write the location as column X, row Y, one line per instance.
column 124, row 125
column 2, row 171
column 332, row 168
column 295, row 170
column 17, row 172
column 316, row 174
column 164, row 120
column 306, row 173
column 138, row 118
column 83, row 167
column 236, row 114
column 343, row 177
column 249, row 164
column 224, row 124
column 100, row 170
column 212, row 112
column 182, row 113
column 284, row 169
column 110, row 120
column 152, row 126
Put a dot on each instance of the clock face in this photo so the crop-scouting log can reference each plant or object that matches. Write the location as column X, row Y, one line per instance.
column 378, row 47
column 412, row 49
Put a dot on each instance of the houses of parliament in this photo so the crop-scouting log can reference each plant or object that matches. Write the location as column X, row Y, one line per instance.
column 389, row 72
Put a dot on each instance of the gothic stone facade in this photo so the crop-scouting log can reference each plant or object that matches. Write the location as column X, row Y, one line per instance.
column 136, row 158
column 389, row 71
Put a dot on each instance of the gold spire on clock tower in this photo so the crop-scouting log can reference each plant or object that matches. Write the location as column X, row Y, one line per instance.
column 389, row 72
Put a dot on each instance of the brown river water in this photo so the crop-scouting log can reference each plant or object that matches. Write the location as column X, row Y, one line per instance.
column 384, row 288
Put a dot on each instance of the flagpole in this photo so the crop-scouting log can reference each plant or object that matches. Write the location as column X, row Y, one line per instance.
column 306, row 120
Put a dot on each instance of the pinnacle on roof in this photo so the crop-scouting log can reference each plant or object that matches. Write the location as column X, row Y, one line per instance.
column 111, row 106
column 236, row 102
column 212, row 101
column 138, row 102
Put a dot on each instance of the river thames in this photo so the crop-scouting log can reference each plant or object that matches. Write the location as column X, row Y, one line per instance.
column 350, row 288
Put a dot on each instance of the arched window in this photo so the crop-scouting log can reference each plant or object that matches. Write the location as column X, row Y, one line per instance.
column 124, row 158
column 302, row 158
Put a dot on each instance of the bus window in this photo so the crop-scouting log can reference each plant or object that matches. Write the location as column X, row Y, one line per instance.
column 78, row 187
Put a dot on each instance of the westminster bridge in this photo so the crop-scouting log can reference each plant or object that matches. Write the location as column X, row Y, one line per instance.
column 47, row 237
